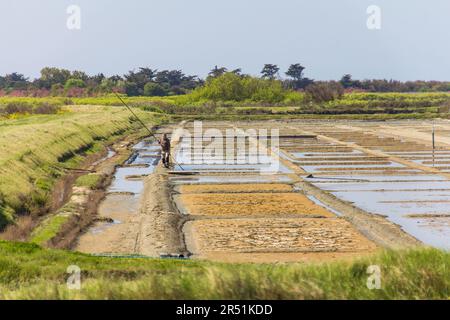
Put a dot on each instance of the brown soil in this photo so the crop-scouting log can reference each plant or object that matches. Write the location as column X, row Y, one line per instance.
column 278, row 237
column 251, row 204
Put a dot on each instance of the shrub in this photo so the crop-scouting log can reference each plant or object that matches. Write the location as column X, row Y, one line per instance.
column 445, row 107
column 18, row 107
column 323, row 92
column 46, row 108
column 234, row 87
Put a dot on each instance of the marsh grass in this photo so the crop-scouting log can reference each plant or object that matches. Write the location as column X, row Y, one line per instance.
column 36, row 150
column 29, row 272
column 48, row 229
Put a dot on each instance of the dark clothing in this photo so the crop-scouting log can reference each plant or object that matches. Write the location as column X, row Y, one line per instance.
column 165, row 145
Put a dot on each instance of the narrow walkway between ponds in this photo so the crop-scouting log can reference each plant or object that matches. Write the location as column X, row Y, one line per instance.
column 134, row 218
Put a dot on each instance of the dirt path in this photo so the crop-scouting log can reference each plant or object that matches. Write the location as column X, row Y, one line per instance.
column 145, row 225
column 160, row 224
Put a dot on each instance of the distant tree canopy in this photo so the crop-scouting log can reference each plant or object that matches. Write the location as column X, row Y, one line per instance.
column 295, row 71
column 217, row 72
column 160, row 83
column 347, row 81
column 14, row 80
column 270, row 71
column 385, row 85
column 152, row 82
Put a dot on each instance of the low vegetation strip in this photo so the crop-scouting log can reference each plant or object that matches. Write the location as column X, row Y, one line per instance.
column 36, row 150
column 26, row 274
column 264, row 99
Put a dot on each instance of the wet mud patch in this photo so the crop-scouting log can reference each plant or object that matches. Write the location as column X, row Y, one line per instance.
column 121, row 205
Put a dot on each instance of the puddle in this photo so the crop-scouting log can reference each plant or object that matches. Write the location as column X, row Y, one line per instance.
column 111, row 153
column 124, row 194
column 103, row 226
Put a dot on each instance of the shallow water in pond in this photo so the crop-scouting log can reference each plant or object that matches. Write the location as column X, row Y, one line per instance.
column 398, row 206
column 327, row 154
column 230, row 179
column 232, row 168
column 338, row 167
column 383, row 178
column 384, row 185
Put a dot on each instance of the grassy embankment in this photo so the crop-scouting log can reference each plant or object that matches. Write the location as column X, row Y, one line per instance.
column 30, row 272
column 36, row 150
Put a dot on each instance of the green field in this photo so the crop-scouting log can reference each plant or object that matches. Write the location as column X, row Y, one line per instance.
column 351, row 105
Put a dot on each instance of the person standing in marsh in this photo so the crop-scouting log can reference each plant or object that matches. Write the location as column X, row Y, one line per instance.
column 165, row 150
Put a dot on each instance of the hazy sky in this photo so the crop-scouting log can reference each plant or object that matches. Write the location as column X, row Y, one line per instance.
column 329, row 37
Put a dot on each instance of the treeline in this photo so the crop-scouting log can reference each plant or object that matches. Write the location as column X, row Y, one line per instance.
column 393, row 85
column 152, row 82
column 62, row 82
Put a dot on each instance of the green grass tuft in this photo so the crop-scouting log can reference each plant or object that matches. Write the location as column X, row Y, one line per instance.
column 48, row 229
column 92, row 181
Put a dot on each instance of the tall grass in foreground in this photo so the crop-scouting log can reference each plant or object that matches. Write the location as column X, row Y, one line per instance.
column 30, row 272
